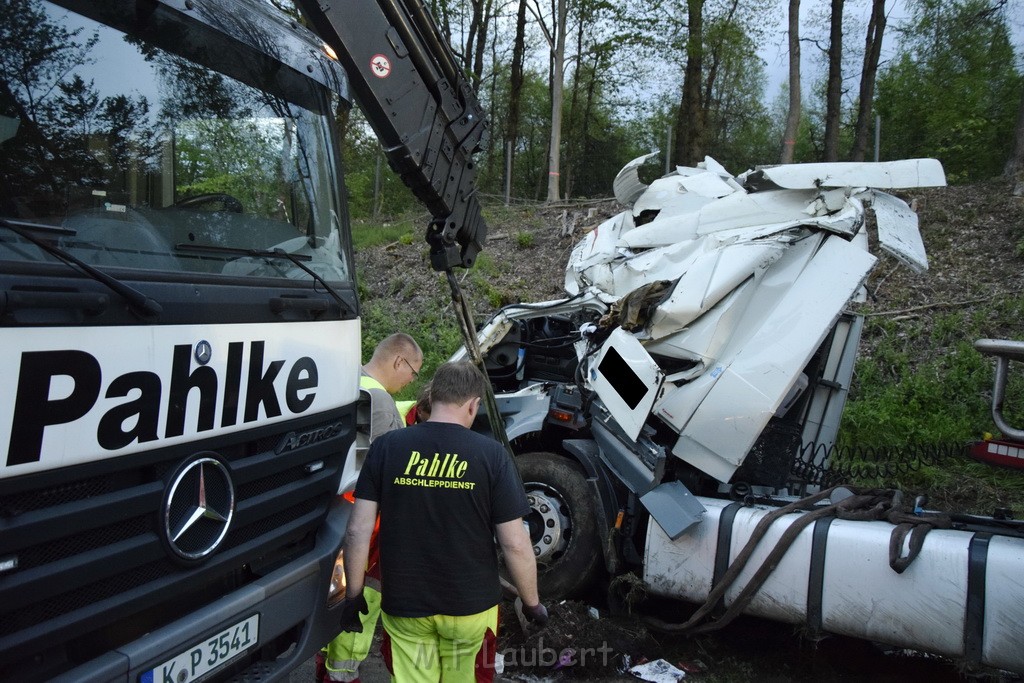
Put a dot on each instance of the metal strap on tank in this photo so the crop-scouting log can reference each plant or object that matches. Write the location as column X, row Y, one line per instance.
column 816, row 577
column 725, row 521
column 974, row 619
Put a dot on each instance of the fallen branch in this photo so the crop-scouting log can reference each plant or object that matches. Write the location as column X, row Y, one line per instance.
column 940, row 304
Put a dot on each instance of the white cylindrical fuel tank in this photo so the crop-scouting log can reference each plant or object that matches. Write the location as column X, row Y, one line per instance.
column 963, row 596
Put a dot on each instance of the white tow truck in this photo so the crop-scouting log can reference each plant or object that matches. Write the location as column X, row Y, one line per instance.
column 179, row 319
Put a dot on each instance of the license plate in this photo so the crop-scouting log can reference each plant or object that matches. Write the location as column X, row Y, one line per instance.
column 210, row 654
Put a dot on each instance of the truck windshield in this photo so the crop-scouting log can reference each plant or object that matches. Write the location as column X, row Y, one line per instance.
column 127, row 148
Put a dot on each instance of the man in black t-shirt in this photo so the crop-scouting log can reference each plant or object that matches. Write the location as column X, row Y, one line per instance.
column 444, row 493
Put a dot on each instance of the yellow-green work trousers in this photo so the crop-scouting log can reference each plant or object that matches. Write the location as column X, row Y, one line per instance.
column 440, row 647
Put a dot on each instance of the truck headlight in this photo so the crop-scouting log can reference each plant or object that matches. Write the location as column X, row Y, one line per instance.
column 337, row 590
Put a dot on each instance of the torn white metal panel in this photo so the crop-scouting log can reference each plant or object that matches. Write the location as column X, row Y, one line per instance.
column 844, row 221
column 708, row 279
column 734, row 211
column 704, row 339
column 670, row 197
column 600, row 244
column 707, row 184
column 627, row 274
column 590, row 260
column 905, row 173
column 898, row 231
column 828, row 202
column 715, row 167
column 627, row 185
column 627, row 380
column 623, row 271
column 763, row 361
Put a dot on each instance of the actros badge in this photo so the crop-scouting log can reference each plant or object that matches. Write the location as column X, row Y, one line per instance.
column 198, row 508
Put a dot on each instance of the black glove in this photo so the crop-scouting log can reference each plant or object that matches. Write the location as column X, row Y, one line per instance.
column 538, row 614
column 351, row 608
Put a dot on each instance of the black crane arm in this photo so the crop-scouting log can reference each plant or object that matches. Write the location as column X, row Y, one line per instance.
column 421, row 107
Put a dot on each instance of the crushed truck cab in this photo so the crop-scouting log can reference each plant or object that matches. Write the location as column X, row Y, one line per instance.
column 704, row 352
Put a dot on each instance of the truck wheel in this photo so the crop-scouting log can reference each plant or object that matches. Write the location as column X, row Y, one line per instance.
column 562, row 524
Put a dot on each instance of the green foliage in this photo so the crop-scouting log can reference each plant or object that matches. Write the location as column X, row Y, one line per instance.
column 900, row 397
column 524, row 239
column 740, row 134
column 953, row 90
column 485, row 265
column 534, row 131
column 367, row 232
column 361, row 155
column 597, row 142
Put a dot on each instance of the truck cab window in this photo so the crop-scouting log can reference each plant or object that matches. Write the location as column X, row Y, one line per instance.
column 143, row 158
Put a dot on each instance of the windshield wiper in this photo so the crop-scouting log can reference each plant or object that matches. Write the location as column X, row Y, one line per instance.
column 296, row 259
column 139, row 302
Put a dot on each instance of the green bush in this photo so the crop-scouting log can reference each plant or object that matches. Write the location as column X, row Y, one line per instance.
column 524, row 239
column 924, row 384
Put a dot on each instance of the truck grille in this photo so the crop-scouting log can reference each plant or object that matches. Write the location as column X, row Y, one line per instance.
column 90, row 558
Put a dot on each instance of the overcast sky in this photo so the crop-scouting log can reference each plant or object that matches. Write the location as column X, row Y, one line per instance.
column 775, row 51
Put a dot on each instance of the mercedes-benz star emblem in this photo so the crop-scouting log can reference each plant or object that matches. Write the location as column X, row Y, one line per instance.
column 203, row 352
column 198, row 509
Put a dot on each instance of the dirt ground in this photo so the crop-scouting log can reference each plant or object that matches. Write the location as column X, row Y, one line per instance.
column 575, row 645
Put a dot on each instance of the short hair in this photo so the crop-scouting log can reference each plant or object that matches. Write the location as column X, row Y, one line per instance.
column 397, row 344
column 422, row 406
column 456, row 383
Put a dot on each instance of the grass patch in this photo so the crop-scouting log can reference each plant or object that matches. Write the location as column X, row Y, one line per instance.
column 524, row 239
column 406, row 229
column 923, row 384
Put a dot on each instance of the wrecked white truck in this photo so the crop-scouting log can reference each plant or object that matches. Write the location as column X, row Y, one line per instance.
column 664, row 416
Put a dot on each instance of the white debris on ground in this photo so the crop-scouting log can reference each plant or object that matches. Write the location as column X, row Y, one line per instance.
column 658, row 671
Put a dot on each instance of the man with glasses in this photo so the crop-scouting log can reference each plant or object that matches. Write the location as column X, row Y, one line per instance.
column 396, row 362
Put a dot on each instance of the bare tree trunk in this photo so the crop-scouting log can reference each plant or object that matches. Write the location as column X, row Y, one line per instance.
column 476, row 40
column 492, row 142
column 834, row 93
column 516, row 84
column 588, row 108
column 557, row 85
column 1015, row 164
column 469, row 49
column 572, row 148
column 793, row 118
column 691, row 119
column 872, row 53
column 342, row 116
column 481, row 47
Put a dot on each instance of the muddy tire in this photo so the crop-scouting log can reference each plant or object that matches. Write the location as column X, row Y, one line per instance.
column 562, row 523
